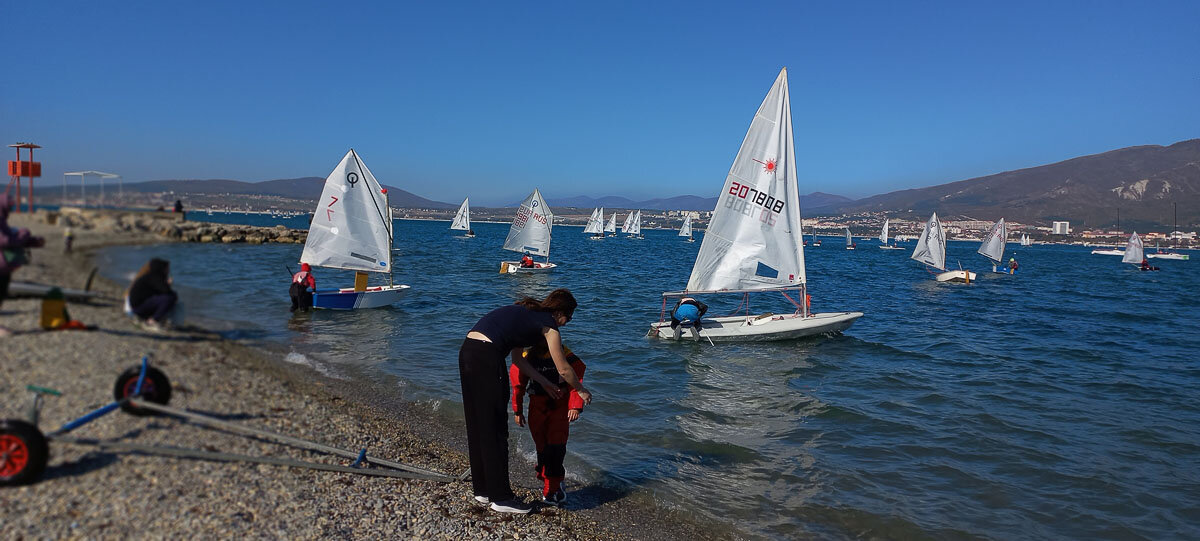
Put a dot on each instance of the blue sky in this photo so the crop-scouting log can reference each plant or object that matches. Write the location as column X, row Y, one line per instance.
column 640, row 99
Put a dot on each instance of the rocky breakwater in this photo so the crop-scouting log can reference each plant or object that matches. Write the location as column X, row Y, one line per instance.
column 169, row 225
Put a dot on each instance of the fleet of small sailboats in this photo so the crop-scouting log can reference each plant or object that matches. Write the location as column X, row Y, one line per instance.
column 753, row 241
column 352, row 230
column 530, row 234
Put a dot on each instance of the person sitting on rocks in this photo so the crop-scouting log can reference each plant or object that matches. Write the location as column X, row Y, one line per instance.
column 150, row 297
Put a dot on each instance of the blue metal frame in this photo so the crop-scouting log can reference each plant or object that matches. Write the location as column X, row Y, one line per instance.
column 104, row 410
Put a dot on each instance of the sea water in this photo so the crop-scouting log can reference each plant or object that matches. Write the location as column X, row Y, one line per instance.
column 1060, row 402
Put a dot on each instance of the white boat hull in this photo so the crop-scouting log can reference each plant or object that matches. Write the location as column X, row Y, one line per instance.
column 349, row 299
column 761, row 328
column 1177, row 257
column 514, row 267
column 882, row 247
column 1108, row 252
column 956, row 276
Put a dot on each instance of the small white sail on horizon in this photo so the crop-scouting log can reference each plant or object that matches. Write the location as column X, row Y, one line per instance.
column 635, row 228
column 611, row 226
column 849, row 240
column 627, row 224
column 595, row 224
column 883, row 235
column 530, row 230
column 685, row 230
column 1133, row 250
column 993, row 243
column 462, row 220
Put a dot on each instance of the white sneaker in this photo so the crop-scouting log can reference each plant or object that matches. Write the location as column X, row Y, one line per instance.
column 511, row 506
column 483, row 499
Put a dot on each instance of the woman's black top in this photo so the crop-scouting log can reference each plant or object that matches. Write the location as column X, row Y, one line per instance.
column 149, row 285
column 514, row 326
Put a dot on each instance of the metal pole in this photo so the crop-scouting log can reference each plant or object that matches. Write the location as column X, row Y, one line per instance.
column 30, row 204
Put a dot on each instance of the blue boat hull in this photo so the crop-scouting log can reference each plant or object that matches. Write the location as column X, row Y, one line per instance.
column 349, row 299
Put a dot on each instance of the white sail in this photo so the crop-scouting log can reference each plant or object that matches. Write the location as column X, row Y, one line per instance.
column 530, row 231
column 628, row 223
column 635, row 228
column 462, row 220
column 753, row 238
column 849, row 239
column 883, row 235
column 685, row 230
column 931, row 247
column 595, row 224
column 993, row 243
column 1133, row 250
column 611, row 227
column 351, row 228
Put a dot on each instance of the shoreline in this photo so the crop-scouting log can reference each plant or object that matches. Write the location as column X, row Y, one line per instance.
column 90, row 493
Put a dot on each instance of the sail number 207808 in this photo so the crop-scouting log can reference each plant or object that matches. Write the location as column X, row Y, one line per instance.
column 745, row 200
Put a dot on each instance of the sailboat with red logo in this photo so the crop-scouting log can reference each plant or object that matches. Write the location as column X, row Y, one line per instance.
column 754, row 243
column 530, row 235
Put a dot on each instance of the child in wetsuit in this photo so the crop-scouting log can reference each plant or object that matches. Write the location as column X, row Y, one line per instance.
column 549, row 419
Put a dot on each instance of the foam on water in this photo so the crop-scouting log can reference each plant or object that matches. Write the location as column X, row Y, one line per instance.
column 1058, row 403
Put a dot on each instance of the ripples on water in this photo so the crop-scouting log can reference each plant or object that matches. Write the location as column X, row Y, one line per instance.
column 1061, row 402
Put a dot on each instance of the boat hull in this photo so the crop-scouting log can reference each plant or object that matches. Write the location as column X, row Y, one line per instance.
column 514, row 267
column 890, row 248
column 349, row 299
column 964, row 276
column 1108, row 252
column 764, row 328
column 1177, row 257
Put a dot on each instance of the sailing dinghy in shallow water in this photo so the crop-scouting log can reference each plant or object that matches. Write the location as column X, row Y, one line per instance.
column 530, row 233
column 352, row 230
column 931, row 250
column 753, row 242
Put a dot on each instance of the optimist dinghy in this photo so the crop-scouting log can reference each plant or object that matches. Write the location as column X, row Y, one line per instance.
column 685, row 230
column 993, row 245
column 931, row 250
column 530, row 233
column 462, row 220
column 352, row 230
column 610, row 229
column 595, row 225
column 883, row 238
column 753, row 242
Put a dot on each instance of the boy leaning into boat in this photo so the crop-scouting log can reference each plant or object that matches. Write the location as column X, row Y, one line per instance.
column 549, row 419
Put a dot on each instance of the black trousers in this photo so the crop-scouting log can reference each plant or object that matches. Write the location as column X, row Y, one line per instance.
column 484, row 377
column 302, row 298
column 156, row 307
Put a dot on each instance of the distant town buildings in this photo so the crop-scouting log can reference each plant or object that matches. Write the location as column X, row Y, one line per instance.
column 1061, row 228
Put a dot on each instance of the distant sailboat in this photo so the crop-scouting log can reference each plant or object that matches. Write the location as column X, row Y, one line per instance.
column 931, row 250
column 1134, row 253
column 530, row 233
column 816, row 242
column 849, row 240
column 1025, row 240
column 595, row 225
column 993, row 245
column 611, row 227
column 462, row 220
column 352, row 230
column 883, row 238
column 628, row 224
column 1159, row 253
column 751, row 246
column 635, row 226
column 685, row 230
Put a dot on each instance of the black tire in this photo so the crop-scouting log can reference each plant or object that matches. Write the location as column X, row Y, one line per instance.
column 155, row 388
column 23, row 452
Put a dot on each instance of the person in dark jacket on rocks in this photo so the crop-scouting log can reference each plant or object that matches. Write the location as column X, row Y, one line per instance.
column 14, row 248
column 150, row 296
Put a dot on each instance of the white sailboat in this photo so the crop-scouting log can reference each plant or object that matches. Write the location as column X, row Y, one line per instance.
column 1134, row 253
column 595, row 225
column 993, row 245
column 462, row 220
column 635, row 227
column 628, row 224
column 849, row 240
column 610, row 229
column 1025, row 240
column 753, row 242
column 883, row 238
column 931, row 250
column 352, row 230
column 530, row 233
column 1159, row 253
column 685, row 230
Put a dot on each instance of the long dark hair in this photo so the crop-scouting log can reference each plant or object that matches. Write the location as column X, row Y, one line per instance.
column 559, row 300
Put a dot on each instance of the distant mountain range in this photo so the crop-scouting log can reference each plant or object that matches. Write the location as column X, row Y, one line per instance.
column 1141, row 181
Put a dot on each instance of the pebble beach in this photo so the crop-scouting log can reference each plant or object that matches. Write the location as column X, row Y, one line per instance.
column 91, row 493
